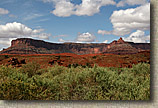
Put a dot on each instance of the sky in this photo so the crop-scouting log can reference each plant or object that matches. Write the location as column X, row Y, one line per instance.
column 79, row 21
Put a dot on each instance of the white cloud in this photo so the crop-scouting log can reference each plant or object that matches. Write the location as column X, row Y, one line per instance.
column 85, row 37
column 90, row 7
column 131, row 2
column 103, row 32
column 106, row 41
column 14, row 30
column 5, row 41
column 64, row 8
column 32, row 16
column 138, row 37
column 81, row 38
column 61, row 40
column 42, row 35
column 3, row 11
column 17, row 30
column 125, row 21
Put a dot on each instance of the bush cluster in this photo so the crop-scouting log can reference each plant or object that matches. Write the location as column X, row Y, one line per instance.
column 30, row 82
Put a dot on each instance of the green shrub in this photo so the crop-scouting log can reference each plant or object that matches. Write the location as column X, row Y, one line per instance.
column 88, row 65
column 30, row 82
column 94, row 57
column 31, row 69
column 6, row 71
column 6, row 56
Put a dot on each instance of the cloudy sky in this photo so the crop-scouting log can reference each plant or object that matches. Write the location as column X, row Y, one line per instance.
column 79, row 21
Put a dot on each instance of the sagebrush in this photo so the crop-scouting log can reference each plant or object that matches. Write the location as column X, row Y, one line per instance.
column 30, row 82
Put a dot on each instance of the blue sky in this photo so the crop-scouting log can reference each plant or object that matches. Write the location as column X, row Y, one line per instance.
column 80, row 21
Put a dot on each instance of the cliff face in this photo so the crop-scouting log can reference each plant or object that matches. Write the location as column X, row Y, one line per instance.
column 31, row 46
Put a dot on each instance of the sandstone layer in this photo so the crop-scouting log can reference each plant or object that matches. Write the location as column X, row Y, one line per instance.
column 32, row 46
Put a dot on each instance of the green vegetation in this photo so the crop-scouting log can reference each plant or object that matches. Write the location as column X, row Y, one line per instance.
column 94, row 57
column 6, row 56
column 2, row 57
column 76, row 65
column 30, row 82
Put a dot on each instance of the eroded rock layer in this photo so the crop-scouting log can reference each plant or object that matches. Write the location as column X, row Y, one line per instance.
column 32, row 46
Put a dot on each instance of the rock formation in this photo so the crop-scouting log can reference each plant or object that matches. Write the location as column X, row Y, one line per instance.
column 31, row 46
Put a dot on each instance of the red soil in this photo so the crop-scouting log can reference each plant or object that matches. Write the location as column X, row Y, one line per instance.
column 64, row 59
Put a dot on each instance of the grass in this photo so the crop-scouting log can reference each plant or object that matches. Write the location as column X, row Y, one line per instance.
column 30, row 82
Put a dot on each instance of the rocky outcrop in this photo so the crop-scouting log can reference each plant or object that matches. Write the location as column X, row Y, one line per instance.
column 121, row 47
column 31, row 46
column 15, row 62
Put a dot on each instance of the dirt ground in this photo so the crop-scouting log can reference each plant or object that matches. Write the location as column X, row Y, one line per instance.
column 67, row 59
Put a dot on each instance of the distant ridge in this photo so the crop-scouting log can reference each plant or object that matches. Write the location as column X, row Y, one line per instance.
column 32, row 46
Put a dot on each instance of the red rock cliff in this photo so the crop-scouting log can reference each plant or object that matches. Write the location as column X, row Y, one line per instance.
column 32, row 46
